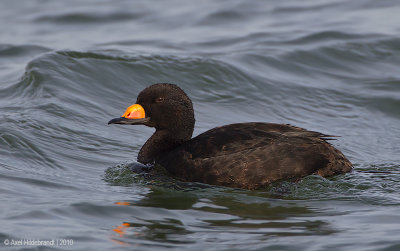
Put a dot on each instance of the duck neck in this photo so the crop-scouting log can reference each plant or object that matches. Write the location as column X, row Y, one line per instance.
column 162, row 141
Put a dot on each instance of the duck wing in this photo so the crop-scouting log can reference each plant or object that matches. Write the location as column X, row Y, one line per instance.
column 253, row 155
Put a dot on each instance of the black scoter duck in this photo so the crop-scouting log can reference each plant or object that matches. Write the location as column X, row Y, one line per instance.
column 243, row 155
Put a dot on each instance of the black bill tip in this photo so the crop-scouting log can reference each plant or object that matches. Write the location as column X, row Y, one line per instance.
column 125, row 121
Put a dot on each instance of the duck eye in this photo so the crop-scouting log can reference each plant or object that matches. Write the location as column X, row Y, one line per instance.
column 160, row 100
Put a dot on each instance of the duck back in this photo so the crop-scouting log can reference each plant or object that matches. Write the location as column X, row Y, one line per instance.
column 253, row 155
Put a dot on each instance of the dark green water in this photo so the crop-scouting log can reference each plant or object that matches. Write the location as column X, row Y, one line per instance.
column 66, row 68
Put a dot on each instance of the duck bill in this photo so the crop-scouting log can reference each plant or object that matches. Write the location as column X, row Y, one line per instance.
column 134, row 115
column 125, row 121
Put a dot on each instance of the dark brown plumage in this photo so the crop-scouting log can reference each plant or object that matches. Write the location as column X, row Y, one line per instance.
column 245, row 155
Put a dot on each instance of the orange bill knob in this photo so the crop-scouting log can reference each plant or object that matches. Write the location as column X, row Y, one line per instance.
column 134, row 112
column 134, row 115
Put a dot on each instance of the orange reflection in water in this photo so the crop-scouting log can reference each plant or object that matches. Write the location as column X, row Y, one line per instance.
column 121, row 229
column 123, row 203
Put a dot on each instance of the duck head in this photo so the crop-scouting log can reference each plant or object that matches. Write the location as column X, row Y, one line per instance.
column 166, row 107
